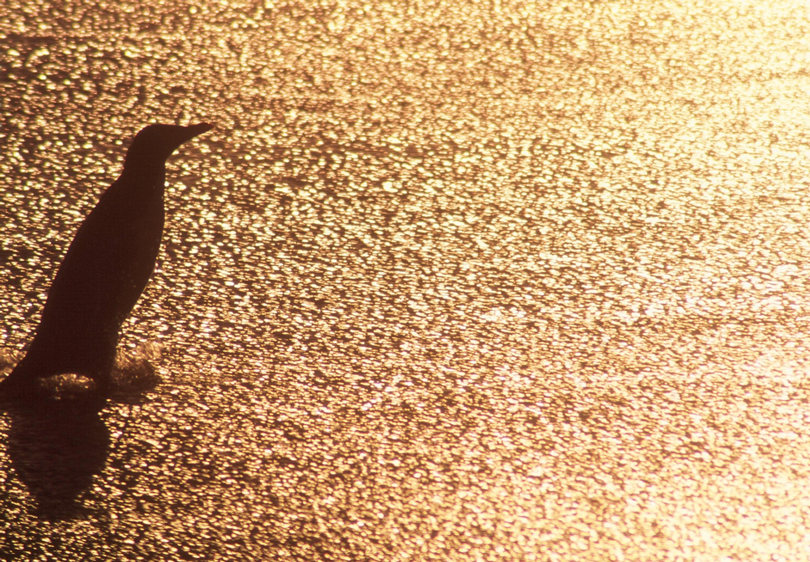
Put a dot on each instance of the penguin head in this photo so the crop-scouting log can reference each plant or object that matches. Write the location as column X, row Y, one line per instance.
column 154, row 144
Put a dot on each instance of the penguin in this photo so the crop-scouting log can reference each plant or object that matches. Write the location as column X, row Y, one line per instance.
column 106, row 268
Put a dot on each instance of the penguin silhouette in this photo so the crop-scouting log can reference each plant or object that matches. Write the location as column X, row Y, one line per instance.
column 105, row 270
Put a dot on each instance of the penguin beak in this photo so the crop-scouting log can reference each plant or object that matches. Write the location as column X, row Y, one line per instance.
column 196, row 130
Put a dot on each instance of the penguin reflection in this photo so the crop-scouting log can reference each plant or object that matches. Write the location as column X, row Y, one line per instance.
column 56, row 452
column 105, row 270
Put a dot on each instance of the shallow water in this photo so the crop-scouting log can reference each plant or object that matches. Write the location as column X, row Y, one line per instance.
column 448, row 281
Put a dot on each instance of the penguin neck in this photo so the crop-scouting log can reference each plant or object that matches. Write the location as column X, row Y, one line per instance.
column 151, row 176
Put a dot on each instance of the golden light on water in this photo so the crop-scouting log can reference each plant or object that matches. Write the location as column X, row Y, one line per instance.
column 449, row 281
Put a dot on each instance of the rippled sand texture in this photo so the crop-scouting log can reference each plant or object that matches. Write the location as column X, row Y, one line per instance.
column 449, row 281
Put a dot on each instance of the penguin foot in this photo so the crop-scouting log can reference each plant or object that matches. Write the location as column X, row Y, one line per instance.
column 65, row 387
column 14, row 388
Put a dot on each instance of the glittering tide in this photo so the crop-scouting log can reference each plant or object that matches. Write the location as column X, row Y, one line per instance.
column 449, row 280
